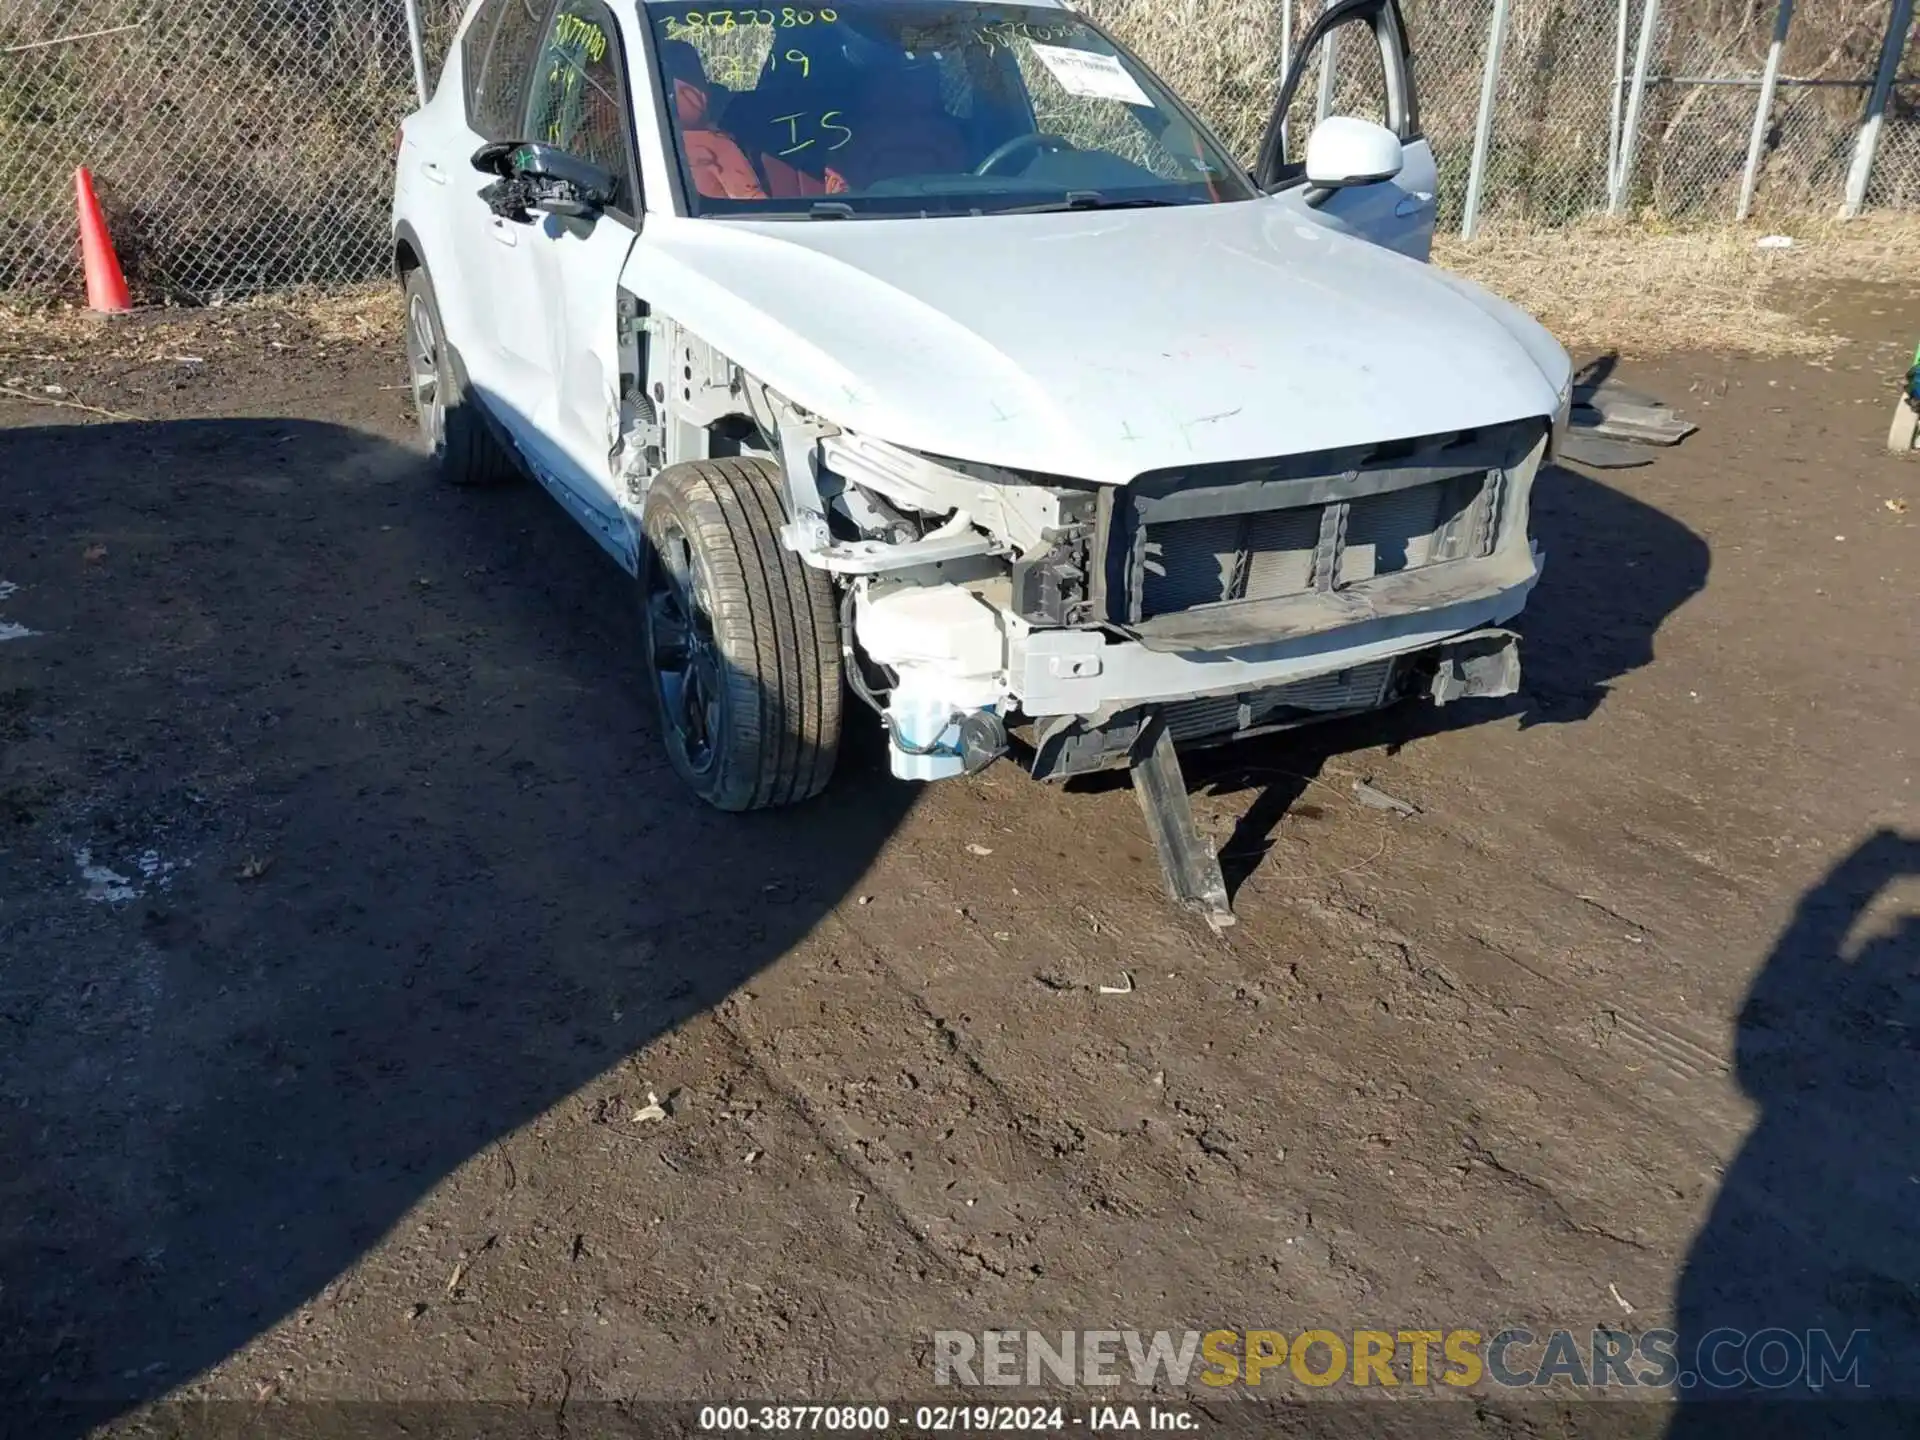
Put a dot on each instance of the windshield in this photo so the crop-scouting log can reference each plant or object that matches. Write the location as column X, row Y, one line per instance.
column 916, row 107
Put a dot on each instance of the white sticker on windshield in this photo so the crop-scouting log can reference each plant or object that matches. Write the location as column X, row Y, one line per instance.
column 1098, row 77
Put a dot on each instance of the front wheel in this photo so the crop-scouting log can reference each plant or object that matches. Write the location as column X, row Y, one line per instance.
column 455, row 431
column 742, row 639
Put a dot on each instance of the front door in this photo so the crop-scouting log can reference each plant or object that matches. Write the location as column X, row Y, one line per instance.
column 1358, row 61
column 580, row 102
column 504, row 345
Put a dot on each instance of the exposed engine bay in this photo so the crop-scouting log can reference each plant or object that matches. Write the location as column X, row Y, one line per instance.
column 1084, row 627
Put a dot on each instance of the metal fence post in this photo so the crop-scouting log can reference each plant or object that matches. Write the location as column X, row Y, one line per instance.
column 1861, row 171
column 1323, row 105
column 1483, row 127
column 1286, row 66
column 1619, row 96
column 1630, row 128
column 1763, row 110
column 419, row 50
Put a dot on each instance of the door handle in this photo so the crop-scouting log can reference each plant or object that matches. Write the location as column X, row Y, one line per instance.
column 1412, row 204
column 433, row 172
column 504, row 234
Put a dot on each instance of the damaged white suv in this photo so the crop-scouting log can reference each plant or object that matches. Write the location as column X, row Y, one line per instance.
column 936, row 352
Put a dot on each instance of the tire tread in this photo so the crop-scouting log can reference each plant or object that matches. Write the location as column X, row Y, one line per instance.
column 778, row 629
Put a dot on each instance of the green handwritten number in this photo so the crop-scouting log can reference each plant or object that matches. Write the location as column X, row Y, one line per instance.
column 799, row 57
column 556, row 97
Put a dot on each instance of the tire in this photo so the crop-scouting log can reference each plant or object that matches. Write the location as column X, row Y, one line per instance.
column 742, row 639
column 464, row 447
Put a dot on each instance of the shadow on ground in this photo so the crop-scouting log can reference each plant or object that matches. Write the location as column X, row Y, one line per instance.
column 1805, row 1279
column 1616, row 568
column 399, row 865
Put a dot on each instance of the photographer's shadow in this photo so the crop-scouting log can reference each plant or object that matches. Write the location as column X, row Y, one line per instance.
column 1813, row 1243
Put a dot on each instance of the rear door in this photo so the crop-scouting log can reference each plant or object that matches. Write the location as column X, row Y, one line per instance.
column 1355, row 61
column 581, row 102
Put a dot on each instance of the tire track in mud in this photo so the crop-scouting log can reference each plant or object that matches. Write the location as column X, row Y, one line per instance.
column 1201, row 1051
column 1470, row 1017
column 936, row 1137
column 756, row 1053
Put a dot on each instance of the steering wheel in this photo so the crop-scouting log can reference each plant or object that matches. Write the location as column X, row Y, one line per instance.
column 1035, row 140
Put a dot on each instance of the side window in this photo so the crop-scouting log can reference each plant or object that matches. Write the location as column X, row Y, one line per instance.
column 579, row 100
column 1351, row 64
column 499, row 63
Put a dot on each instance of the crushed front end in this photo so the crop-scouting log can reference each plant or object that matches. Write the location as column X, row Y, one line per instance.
column 1234, row 600
column 1085, row 627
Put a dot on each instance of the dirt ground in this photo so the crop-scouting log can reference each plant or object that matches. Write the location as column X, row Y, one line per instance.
column 349, row 915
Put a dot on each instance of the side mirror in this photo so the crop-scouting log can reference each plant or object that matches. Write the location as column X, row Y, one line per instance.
column 543, row 177
column 1343, row 152
column 491, row 159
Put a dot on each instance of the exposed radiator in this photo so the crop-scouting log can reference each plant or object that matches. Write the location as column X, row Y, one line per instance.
column 1315, row 522
column 1269, row 553
column 1358, row 688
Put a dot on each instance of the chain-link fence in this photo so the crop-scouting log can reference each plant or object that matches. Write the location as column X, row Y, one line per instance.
column 243, row 145
column 1708, row 65
column 1557, row 112
column 235, row 146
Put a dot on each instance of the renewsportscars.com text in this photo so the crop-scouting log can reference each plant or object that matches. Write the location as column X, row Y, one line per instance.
column 1511, row 1358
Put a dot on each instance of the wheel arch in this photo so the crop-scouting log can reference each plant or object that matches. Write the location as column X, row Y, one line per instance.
column 408, row 255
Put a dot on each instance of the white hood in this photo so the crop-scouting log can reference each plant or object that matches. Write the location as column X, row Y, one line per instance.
column 1096, row 344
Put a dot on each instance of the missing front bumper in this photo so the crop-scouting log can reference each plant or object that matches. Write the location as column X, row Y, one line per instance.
column 1483, row 664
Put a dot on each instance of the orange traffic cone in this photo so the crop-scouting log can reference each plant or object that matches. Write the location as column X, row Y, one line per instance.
column 106, row 285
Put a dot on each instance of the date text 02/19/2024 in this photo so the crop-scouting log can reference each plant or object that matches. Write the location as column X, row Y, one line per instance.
column 941, row 1419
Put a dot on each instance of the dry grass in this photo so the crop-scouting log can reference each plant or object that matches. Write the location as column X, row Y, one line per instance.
column 1637, row 289
column 349, row 315
column 352, row 314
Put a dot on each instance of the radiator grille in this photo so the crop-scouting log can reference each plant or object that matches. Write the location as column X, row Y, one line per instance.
column 1406, row 529
column 1280, row 552
column 1192, row 719
column 1353, row 521
column 1190, row 563
column 1218, row 559
column 1357, row 688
